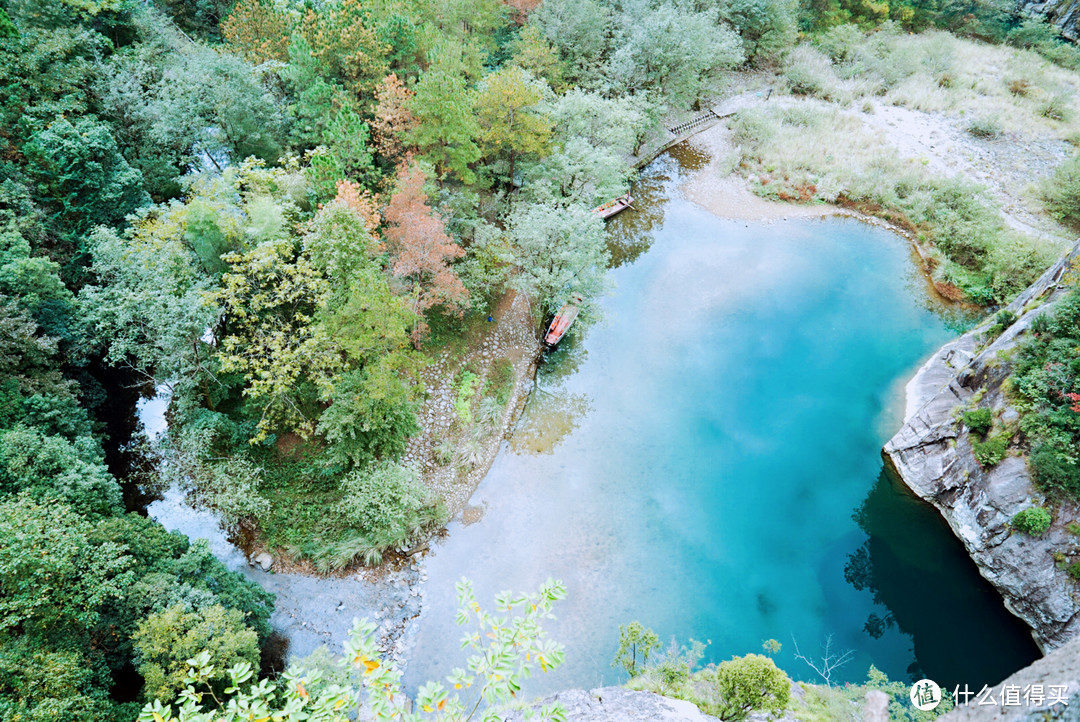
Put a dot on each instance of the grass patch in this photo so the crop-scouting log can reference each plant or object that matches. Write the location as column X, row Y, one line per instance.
column 1061, row 192
column 466, row 384
column 499, row 383
column 812, row 154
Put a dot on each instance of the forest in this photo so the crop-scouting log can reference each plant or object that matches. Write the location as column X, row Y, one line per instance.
column 278, row 212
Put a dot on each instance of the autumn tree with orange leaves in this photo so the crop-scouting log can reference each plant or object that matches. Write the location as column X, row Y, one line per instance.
column 421, row 251
column 392, row 117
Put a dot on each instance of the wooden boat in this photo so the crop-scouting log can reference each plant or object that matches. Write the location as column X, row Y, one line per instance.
column 607, row 210
column 562, row 322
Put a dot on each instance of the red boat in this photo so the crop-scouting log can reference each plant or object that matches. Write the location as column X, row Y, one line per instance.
column 607, row 210
column 562, row 322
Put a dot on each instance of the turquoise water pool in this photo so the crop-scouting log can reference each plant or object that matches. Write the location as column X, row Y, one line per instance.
column 705, row 459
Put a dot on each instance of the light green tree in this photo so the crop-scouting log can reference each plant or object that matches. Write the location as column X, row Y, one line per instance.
column 636, row 643
column 672, row 52
column 750, row 684
column 164, row 641
column 510, row 123
column 559, row 251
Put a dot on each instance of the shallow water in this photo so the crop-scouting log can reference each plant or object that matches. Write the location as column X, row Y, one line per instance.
column 706, row 460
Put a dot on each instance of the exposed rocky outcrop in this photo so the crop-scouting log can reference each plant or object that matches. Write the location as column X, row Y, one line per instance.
column 933, row 455
column 615, row 704
column 1063, row 13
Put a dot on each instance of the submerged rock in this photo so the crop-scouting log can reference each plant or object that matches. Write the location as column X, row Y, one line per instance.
column 933, row 455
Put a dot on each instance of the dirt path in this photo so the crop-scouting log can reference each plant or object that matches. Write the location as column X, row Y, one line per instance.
column 510, row 336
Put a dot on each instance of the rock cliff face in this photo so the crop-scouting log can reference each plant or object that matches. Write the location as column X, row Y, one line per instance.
column 1059, row 668
column 1063, row 13
column 933, row 455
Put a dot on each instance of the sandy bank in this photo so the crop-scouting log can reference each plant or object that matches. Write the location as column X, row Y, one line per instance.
column 720, row 191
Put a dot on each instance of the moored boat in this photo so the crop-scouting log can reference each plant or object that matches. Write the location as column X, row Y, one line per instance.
column 562, row 322
column 607, row 210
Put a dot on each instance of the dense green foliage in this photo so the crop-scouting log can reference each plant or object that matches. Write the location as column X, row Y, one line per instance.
column 748, row 684
column 266, row 207
column 978, row 420
column 1033, row 522
column 505, row 646
column 1046, row 379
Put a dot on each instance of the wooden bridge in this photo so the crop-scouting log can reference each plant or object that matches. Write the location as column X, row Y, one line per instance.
column 681, row 131
column 729, row 107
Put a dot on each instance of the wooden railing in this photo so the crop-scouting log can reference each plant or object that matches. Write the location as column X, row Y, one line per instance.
column 692, row 123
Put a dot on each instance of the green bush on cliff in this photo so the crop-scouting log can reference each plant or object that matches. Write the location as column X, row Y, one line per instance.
column 979, row 421
column 1047, row 380
column 748, row 684
column 1033, row 522
column 990, row 452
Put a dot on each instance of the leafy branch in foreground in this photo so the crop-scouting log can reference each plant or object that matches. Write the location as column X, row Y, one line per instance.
column 507, row 645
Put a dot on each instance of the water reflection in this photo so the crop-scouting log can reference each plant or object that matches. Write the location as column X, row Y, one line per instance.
column 630, row 232
column 922, row 581
column 693, row 461
column 548, row 419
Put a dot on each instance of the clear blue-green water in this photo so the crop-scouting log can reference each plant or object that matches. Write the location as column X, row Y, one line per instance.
column 706, row 460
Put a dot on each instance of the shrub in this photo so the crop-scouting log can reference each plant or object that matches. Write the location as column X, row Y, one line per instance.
column 979, row 421
column 1033, row 522
column 985, row 127
column 1073, row 570
column 988, row 453
column 751, row 683
column 1061, row 191
column 466, row 391
column 810, row 72
column 1056, row 107
column 1053, row 471
column 387, row 505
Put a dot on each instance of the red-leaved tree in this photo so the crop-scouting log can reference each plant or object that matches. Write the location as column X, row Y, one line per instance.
column 421, row 251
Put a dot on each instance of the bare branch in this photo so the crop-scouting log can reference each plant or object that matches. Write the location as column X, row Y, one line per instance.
column 830, row 661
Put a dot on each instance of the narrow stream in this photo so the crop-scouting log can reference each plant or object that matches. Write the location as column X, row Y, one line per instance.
column 706, row 460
